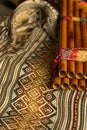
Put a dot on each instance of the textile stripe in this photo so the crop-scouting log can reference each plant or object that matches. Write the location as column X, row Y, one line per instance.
column 82, row 114
column 75, row 118
column 16, row 70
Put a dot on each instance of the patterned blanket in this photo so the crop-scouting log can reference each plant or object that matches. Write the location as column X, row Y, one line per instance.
column 27, row 50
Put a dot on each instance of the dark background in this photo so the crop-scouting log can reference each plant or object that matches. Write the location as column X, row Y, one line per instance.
column 6, row 6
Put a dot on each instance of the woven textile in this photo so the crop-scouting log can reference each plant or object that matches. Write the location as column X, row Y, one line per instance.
column 30, row 103
column 74, row 54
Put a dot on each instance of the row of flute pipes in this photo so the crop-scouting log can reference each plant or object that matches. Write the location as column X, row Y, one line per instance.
column 73, row 34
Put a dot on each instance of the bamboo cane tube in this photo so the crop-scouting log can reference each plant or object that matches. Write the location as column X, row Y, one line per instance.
column 84, row 40
column 85, row 64
column 83, row 5
column 56, row 83
column 82, row 85
column 73, row 84
column 78, row 65
column 85, row 70
column 86, row 23
column 65, row 83
column 86, row 85
column 71, row 64
column 62, row 71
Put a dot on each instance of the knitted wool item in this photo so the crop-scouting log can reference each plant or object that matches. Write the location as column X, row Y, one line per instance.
column 21, row 34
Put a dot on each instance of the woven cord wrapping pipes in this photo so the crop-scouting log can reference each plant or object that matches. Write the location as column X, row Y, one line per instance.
column 32, row 23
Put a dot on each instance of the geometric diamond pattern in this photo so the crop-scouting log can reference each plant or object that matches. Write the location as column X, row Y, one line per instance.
column 31, row 104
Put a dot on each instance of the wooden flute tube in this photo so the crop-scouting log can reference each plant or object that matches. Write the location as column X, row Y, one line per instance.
column 78, row 65
column 82, row 85
column 62, row 70
column 84, row 40
column 65, row 83
column 85, row 63
column 73, row 84
column 86, row 18
column 71, row 64
column 56, row 83
column 85, row 70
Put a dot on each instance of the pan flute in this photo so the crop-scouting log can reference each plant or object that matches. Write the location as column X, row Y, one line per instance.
column 72, row 74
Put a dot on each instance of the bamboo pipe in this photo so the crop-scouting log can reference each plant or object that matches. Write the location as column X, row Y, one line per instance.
column 62, row 71
column 73, row 84
column 83, row 6
column 85, row 70
column 86, row 23
column 65, row 83
column 56, row 83
column 71, row 64
column 85, row 64
column 86, row 85
column 82, row 85
column 78, row 65
column 84, row 39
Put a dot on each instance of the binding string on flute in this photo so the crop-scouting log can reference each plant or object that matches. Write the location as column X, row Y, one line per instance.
column 76, row 19
column 74, row 54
